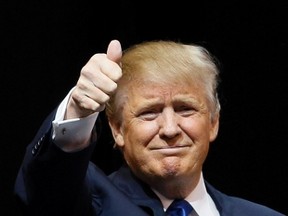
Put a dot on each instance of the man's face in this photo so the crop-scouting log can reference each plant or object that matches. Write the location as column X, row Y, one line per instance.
column 165, row 130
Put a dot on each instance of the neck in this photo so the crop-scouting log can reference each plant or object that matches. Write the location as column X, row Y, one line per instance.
column 174, row 188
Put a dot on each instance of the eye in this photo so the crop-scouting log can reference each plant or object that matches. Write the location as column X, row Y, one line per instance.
column 149, row 115
column 185, row 111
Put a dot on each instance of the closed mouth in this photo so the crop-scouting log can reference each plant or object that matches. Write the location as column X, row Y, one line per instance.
column 171, row 150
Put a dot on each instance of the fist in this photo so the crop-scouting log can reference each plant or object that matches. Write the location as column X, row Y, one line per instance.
column 97, row 81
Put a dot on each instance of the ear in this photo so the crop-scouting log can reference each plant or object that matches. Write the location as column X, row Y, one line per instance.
column 117, row 133
column 214, row 127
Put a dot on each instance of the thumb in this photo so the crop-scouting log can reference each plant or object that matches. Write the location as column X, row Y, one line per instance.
column 114, row 51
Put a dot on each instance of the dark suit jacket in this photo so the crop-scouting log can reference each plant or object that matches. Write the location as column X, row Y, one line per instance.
column 52, row 182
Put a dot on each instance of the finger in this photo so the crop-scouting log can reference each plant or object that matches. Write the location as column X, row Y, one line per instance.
column 87, row 102
column 114, row 51
column 104, row 77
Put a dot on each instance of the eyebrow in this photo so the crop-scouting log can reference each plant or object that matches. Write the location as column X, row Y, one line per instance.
column 151, row 102
column 185, row 99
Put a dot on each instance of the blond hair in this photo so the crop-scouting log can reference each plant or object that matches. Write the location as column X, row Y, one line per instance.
column 166, row 62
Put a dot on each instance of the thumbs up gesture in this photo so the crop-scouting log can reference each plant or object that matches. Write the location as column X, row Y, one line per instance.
column 97, row 81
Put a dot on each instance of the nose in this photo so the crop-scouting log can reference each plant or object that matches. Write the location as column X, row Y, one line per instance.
column 169, row 125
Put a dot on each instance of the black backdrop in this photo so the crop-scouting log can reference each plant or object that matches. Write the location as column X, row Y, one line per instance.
column 44, row 44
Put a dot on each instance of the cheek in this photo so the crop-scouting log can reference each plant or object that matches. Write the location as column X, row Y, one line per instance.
column 136, row 139
column 196, row 129
column 140, row 133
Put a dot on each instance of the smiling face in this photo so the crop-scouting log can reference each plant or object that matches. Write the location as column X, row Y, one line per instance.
column 165, row 131
column 165, row 113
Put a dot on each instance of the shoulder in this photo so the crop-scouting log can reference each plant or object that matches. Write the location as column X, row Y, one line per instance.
column 231, row 205
column 104, row 193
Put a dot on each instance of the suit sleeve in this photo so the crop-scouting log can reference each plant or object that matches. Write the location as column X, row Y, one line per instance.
column 51, row 181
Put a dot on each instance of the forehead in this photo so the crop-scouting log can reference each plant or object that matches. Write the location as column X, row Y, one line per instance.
column 156, row 91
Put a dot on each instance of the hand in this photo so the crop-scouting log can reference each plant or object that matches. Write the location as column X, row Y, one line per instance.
column 97, row 81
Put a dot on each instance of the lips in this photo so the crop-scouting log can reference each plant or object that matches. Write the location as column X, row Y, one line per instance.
column 170, row 146
column 171, row 150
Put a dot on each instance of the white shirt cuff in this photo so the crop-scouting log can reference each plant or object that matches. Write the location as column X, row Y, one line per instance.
column 71, row 132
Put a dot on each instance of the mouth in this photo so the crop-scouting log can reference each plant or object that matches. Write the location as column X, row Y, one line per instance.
column 171, row 150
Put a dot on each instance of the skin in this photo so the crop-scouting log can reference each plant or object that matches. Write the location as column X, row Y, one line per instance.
column 97, row 81
column 166, row 129
column 165, row 135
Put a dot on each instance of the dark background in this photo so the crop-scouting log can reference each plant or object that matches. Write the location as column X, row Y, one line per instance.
column 44, row 44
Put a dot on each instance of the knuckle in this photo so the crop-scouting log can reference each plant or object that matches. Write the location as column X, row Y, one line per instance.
column 106, row 98
column 111, row 88
column 86, row 71
column 117, row 74
column 80, row 85
column 75, row 95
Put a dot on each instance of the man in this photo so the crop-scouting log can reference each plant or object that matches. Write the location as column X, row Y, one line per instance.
column 161, row 102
